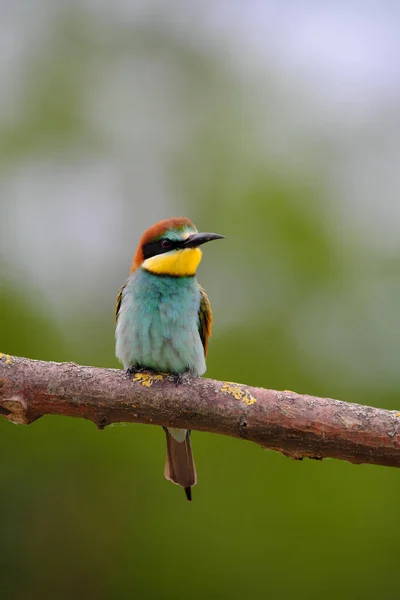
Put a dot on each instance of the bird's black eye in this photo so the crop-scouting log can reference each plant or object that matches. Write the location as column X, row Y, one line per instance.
column 166, row 244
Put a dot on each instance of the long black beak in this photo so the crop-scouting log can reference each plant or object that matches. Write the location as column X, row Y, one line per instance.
column 197, row 239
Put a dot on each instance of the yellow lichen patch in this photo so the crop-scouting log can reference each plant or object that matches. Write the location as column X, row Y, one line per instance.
column 238, row 392
column 398, row 414
column 147, row 379
column 8, row 358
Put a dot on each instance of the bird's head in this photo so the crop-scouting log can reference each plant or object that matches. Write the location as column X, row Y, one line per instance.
column 171, row 247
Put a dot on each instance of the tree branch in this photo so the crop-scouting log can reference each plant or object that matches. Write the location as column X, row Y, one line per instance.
column 299, row 426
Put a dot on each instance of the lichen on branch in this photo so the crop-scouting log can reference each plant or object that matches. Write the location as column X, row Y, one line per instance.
column 297, row 425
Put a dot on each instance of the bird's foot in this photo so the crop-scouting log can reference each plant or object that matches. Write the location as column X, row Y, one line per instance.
column 136, row 369
column 181, row 378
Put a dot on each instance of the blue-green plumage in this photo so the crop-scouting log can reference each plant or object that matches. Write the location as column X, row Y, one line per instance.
column 158, row 324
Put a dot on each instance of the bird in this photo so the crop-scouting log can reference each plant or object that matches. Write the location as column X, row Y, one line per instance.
column 163, row 322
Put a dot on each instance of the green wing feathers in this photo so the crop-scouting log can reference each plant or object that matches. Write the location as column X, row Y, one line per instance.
column 205, row 319
column 119, row 300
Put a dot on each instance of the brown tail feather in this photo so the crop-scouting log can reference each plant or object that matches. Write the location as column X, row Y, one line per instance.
column 179, row 465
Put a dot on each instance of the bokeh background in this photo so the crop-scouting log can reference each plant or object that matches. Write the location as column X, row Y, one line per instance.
column 278, row 125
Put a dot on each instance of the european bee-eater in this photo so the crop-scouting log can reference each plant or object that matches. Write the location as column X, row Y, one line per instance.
column 164, row 321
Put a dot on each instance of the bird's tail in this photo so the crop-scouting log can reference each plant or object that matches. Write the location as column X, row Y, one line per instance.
column 179, row 465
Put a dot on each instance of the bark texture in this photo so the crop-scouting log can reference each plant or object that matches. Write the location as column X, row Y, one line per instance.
column 297, row 425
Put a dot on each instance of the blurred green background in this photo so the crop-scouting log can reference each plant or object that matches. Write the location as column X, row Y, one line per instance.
column 277, row 126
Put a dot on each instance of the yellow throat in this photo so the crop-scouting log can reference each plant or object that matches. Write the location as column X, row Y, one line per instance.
column 178, row 263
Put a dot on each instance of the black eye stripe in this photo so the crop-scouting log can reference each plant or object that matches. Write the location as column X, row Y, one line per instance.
column 154, row 248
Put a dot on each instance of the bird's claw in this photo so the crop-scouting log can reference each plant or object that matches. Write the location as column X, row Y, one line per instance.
column 178, row 378
column 133, row 370
column 181, row 378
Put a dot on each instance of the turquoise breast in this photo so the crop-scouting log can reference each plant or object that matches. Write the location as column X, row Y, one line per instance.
column 158, row 324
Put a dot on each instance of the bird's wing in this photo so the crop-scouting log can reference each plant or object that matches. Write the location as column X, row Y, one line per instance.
column 205, row 319
column 119, row 300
